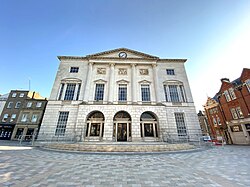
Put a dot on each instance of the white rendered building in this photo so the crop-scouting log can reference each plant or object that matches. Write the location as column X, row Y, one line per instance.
column 120, row 95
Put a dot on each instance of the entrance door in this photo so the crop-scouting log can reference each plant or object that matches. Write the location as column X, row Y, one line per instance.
column 122, row 132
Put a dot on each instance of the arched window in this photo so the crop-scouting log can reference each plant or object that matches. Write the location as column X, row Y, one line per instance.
column 148, row 125
column 95, row 125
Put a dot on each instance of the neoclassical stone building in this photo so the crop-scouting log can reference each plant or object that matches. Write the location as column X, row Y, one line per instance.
column 120, row 95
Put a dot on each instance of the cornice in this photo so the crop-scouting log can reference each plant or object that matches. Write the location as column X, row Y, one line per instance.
column 172, row 60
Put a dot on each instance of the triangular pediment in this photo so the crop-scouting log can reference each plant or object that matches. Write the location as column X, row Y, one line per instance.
column 122, row 53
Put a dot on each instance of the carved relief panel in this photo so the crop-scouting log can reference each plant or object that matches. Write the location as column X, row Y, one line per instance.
column 101, row 71
column 122, row 71
column 143, row 71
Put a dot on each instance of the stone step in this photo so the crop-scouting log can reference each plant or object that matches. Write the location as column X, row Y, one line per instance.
column 119, row 147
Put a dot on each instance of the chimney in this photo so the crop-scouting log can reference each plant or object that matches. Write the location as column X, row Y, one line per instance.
column 225, row 80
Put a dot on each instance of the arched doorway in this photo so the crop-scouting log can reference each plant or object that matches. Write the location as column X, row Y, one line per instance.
column 122, row 126
column 149, row 125
column 95, row 126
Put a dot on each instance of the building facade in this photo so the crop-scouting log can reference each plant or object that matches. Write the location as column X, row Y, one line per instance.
column 120, row 95
column 232, row 106
column 21, row 115
column 3, row 99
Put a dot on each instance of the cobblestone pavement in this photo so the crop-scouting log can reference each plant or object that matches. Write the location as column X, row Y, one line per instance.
column 218, row 166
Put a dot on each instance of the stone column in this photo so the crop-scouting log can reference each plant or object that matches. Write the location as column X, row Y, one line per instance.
column 133, row 82
column 155, row 82
column 87, row 96
column 111, row 83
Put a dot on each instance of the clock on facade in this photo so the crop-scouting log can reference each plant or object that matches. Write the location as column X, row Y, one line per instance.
column 123, row 55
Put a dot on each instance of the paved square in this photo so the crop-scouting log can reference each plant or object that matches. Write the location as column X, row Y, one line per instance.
column 218, row 166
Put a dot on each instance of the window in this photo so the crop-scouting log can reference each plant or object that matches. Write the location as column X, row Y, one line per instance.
column 29, row 104
column 78, row 91
column 18, row 104
column 227, row 96
column 70, row 90
column 148, row 125
column 38, row 104
column 61, row 91
column 174, row 92
column 13, row 117
column 232, row 94
column 14, row 94
column 99, row 92
column 239, row 112
column 34, row 118
column 234, row 114
column 5, row 117
column 248, row 84
column 170, row 71
column 10, row 104
column 74, row 69
column 24, row 118
column 218, row 120
column 145, row 92
column 21, row 95
column 180, row 123
column 122, row 92
column 214, row 121
column 61, row 123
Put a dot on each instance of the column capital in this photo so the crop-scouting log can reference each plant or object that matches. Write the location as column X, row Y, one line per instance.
column 112, row 64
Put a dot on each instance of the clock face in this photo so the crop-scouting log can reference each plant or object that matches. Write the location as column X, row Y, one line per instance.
column 123, row 55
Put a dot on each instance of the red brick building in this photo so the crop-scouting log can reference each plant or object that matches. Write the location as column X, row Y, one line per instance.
column 229, row 111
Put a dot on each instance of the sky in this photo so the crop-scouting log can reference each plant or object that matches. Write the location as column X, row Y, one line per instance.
column 214, row 35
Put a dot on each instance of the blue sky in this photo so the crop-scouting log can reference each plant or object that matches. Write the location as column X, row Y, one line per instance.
column 214, row 35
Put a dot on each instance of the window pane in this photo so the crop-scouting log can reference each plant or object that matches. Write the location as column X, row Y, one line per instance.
column 61, row 91
column 70, row 90
column 122, row 93
column 173, row 93
column 170, row 71
column 95, row 129
column 145, row 92
column 180, row 123
column 148, row 130
column 166, row 92
column 99, row 92
column 61, row 124
column 78, row 91
column 74, row 69
column 10, row 104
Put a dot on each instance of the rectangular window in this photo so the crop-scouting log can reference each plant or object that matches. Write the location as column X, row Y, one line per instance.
column 5, row 117
column 10, row 104
column 180, row 123
column 29, row 104
column 14, row 94
column 34, row 118
column 74, row 69
column 170, row 71
column 18, row 104
column 24, row 118
column 239, row 112
column 21, row 95
column 70, row 90
column 145, row 92
column 61, row 91
column 232, row 94
column 13, row 117
column 173, row 93
column 38, row 104
column 122, row 92
column 215, row 122
column 95, row 129
column 227, row 96
column 99, row 92
column 234, row 114
column 61, row 123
